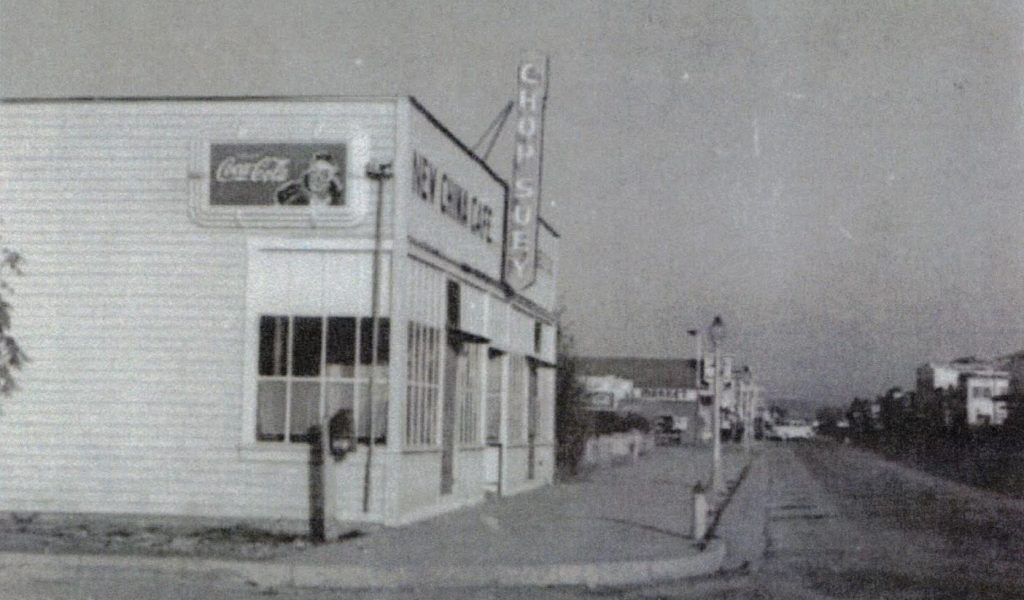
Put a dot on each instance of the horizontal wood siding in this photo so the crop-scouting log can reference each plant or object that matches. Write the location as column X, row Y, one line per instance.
column 133, row 315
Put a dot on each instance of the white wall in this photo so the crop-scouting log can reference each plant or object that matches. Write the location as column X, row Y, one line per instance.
column 133, row 315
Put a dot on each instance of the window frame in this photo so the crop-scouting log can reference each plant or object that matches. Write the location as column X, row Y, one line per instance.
column 423, row 385
column 359, row 380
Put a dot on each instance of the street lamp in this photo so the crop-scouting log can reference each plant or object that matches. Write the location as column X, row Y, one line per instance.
column 716, row 334
column 699, row 370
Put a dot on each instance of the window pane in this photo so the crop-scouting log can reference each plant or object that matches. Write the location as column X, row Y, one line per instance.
column 380, row 413
column 341, row 346
column 306, row 347
column 430, row 351
column 366, row 340
column 339, row 396
column 305, row 408
column 380, row 410
column 363, row 414
column 270, row 411
column 273, row 345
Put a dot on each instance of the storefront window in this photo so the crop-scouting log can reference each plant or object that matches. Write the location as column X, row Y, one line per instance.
column 423, row 388
column 301, row 370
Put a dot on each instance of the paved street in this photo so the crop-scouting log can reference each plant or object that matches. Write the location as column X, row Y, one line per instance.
column 840, row 523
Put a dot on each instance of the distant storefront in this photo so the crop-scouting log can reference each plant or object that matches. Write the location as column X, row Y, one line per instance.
column 199, row 295
column 664, row 391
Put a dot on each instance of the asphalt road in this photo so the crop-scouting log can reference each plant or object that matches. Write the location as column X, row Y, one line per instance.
column 840, row 523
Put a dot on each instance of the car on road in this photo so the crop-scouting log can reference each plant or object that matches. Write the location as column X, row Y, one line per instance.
column 794, row 429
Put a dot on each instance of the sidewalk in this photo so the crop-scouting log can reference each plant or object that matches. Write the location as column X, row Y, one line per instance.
column 619, row 524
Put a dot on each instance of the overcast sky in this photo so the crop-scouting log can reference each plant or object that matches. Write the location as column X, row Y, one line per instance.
column 841, row 180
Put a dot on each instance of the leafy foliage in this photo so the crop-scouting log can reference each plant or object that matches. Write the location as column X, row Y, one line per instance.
column 11, row 355
column 572, row 420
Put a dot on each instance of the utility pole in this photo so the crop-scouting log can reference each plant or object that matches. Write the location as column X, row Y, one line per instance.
column 379, row 172
column 748, row 403
column 716, row 334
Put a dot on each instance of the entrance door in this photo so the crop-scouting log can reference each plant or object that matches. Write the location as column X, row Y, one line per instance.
column 531, row 422
column 454, row 364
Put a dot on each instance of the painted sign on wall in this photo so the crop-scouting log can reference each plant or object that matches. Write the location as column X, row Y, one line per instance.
column 437, row 188
column 600, row 401
column 277, row 174
column 520, row 269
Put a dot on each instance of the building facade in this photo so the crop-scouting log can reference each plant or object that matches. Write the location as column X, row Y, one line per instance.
column 967, row 389
column 982, row 391
column 208, row 282
column 606, row 392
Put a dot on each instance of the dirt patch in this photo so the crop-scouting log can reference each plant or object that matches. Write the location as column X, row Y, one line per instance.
column 74, row 535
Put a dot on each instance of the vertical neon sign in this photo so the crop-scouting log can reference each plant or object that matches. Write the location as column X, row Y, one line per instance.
column 522, row 220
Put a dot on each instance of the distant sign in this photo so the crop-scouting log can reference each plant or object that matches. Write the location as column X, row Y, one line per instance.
column 262, row 174
column 651, row 393
column 520, row 270
column 600, row 400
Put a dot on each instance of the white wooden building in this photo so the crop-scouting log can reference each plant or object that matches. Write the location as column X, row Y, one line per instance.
column 197, row 293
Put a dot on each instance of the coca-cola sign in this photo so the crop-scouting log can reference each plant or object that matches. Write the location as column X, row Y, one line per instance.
column 262, row 174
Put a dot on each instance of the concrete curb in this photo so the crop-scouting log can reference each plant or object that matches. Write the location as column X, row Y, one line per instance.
column 51, row 567
column 743, row 519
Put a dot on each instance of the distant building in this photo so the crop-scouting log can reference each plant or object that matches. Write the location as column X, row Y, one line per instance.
column 749, row 396
column 682, row 387
column 1014, row 365
column 606, row 392
column 661, row 388
column 982, row 390
column 966, row 388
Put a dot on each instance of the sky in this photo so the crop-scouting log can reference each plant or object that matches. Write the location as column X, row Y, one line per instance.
column 841, row 181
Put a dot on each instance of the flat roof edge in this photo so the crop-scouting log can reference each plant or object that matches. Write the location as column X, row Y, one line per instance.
column 256, row 98
column 414, row 101
column 275, row 98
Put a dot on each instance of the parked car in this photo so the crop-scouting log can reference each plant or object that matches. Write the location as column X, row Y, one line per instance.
column 795, row 429
column 667, row 432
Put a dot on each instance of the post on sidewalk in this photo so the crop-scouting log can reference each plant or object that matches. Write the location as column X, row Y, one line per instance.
column 699, row 525
column 700, row 513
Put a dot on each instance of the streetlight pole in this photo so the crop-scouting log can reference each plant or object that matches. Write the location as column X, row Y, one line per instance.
column 716, row 334
column 748, row 404
column 379, row 172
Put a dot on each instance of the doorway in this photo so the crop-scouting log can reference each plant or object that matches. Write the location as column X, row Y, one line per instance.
column 455, row 364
